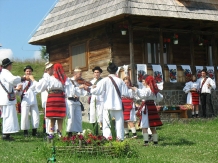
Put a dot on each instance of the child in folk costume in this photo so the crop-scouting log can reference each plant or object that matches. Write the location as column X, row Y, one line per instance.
column 148, row 110
column 129, row 110
column 55, row 105
column 192, row 90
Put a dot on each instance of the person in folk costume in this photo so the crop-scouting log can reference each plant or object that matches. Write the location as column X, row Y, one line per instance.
column 129, row 109
column 192, row 88
column 149, row 114
column 8, row 82
column 29, row 104
column 112, row 101
column 55, row 105
column 206, row 84
column 44, row 96
column 96, row 102
column 74, row 119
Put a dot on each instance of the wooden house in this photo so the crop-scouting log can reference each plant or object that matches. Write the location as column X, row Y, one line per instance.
column 87, row 33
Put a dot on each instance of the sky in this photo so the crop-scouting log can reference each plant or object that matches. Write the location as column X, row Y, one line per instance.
column 18, row 21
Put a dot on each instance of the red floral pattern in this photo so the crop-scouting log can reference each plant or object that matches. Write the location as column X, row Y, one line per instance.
column 158, row 77
column 211, row 73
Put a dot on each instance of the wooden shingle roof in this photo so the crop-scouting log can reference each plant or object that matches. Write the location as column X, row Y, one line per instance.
column 69, row 15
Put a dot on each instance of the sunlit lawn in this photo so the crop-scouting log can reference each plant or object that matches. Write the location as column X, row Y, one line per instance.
column 194, row 141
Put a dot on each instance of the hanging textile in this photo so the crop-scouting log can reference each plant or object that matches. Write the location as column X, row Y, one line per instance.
column 172, row 73
column 158, row 76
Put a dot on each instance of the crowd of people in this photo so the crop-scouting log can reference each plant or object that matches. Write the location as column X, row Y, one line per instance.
column 109, row 97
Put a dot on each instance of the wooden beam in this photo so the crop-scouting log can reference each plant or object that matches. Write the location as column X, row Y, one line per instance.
column 192, row 53
column 214, row 51
column 152, row 53
column 131, row 51
column 161, row 48
column 144, row 52
column 157, row 54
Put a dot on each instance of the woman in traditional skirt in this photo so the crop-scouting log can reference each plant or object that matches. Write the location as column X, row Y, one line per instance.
column 148, row 111
column 192, row 90
column 55, row 106
column 129, row 110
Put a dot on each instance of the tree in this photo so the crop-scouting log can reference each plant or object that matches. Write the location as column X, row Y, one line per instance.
column 43, row 53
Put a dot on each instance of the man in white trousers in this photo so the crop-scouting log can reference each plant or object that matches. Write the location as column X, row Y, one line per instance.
column 8, row 100
column 74, row 112
column 29, row 104
column 112, row 101
column 96, row 102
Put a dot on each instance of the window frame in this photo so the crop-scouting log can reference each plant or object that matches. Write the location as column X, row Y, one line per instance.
column 71, row 56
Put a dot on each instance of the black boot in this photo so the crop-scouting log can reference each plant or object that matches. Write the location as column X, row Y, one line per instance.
column 25, row 132
column 34, row 132
column 69, row 134
column 7, row 137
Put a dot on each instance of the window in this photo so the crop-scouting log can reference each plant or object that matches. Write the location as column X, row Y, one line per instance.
column 153, row 53
column 79, row 57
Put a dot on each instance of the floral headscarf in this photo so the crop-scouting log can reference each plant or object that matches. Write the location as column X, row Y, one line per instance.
column 151, row 83
column 59, row 73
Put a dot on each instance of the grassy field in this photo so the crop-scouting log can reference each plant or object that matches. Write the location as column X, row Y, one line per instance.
column 193, row 141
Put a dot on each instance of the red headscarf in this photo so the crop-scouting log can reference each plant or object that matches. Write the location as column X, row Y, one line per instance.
column 59, row 73
column 152, row 84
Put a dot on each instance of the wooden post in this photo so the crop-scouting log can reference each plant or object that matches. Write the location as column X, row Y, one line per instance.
column 161, row 48
column 214, row 56
column 145, row 52
column 214, row 51
column 152, row 53
column 192, row 53
column 157, row 54
column 161, row 54
column 131, row 51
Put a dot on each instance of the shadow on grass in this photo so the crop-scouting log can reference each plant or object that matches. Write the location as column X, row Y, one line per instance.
column 180, row 142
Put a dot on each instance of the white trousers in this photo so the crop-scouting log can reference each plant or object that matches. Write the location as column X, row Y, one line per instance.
column 119, row 123
column 74, row 118
column 96, row 114
column 10, row 121
column 27, row 110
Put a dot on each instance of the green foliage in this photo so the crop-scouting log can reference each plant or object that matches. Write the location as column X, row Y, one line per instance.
column 123, row 149
column 44, row 55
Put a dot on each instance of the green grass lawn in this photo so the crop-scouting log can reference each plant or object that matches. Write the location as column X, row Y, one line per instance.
column 194, row 141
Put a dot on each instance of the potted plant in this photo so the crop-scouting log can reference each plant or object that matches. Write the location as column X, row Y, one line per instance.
column 175, row 39
column 123, row 28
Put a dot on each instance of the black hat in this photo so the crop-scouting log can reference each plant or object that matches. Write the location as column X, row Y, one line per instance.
column 27, row 67
column 6, row 62
column 97, row 68
column 112, row 68
column 204, row 69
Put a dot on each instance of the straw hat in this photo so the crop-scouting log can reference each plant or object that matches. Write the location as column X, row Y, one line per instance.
column 48, row 65
column 77, row 69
